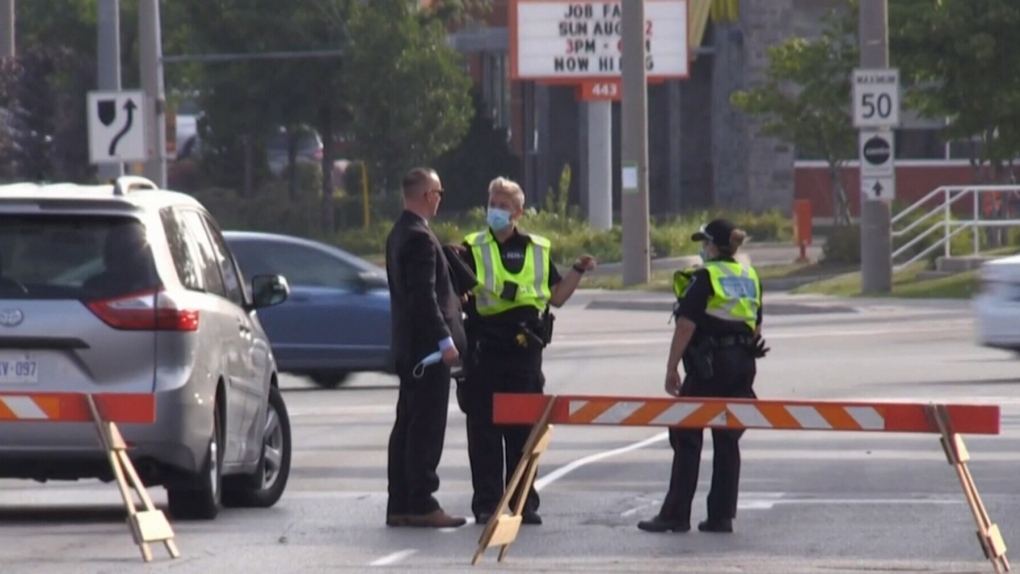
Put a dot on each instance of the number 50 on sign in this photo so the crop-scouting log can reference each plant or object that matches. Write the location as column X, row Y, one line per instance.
column 876, row 95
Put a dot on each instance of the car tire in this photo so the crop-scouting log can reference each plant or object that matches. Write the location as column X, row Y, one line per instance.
column 264, row 487
column 329, row 379
column 201, row 499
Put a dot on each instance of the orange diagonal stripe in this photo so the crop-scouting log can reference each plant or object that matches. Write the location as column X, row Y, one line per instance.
column 6, row 414
column 49, row 405
column 704, row 414
column 837, row 416
column 590, row 411
column 778, row 416
column 647, row 413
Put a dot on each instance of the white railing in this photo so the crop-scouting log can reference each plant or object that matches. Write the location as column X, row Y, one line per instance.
column 940, row 218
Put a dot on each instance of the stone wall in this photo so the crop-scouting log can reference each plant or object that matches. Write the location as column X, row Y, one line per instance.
column 751, row 171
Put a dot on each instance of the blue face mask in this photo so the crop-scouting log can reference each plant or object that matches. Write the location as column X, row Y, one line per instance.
column 419, row 369
column 498, row 219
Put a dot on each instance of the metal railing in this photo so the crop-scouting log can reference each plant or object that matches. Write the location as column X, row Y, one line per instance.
column 941, row 218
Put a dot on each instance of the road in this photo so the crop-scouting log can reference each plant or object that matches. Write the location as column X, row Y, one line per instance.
column 810, row 501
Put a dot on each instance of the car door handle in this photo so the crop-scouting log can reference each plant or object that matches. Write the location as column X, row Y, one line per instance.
column 243, row 327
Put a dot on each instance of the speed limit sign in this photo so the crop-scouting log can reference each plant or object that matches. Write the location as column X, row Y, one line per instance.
column 876, row 95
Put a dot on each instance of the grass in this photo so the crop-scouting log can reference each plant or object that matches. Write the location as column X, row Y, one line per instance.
column 662, row 280
column 906, row 283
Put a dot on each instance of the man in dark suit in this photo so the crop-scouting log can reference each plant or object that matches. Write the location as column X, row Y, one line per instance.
column 426, row 314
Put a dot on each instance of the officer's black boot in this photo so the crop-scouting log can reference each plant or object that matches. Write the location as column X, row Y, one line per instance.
column 660, row 524
column 712, row 525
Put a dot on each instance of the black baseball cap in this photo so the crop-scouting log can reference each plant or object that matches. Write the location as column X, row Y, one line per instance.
column 716, row 231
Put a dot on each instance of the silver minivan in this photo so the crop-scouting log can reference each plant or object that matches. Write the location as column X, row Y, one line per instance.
column 127, row 288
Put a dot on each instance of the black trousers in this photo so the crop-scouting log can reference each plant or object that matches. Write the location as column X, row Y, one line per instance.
column 733, row 378
column 490, row 446
column 416, row 442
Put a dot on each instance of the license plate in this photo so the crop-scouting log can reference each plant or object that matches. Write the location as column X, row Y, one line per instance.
column 18, row 370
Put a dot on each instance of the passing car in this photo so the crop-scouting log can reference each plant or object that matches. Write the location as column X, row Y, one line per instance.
column 997, row 304
column 337, row 318
column 127, row 288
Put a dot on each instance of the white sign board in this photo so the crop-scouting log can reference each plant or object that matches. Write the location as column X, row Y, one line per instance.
column 878, row 188
column 552, row 41
column 876, row 95
column 116, row 127
column 878, row 165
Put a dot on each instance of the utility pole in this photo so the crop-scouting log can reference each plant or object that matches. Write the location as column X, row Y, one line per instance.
column 7, row 29
column 876, row 214
column 108, row 37
column 634, row 144
column 150, row 51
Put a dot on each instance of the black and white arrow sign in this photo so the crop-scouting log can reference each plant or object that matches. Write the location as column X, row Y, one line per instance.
column 117, row 127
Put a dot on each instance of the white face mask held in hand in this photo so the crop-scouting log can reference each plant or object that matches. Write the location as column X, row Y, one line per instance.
column 419, row 369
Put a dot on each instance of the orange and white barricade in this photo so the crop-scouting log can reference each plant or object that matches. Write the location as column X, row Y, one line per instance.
column 543, row 411
column 105, row 410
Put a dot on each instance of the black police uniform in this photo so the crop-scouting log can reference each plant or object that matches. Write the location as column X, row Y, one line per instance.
column 498, row 363
column 733, row 372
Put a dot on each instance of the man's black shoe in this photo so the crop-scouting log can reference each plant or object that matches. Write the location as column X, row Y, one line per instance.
column 660, row 524
column 483, row 518
column 531, row 518
column 716, row 526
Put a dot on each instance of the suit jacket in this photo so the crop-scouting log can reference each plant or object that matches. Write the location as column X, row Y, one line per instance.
column 425, row 306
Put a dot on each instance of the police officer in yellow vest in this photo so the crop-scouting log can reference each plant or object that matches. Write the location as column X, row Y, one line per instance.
column 718, row 338
column 508, row 325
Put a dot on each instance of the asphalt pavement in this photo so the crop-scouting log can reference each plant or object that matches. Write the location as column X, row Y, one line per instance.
column 810, row 501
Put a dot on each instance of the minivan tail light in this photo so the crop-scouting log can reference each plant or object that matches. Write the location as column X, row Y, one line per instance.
column 145, row 311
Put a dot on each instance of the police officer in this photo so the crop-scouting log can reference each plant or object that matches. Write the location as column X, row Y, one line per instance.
column 718, row 337
column 508, row 325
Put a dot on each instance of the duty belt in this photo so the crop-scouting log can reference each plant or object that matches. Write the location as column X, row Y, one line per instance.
column 732, row 341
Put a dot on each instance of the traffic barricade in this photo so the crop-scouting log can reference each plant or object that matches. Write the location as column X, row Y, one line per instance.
column 148, row 524
column 949, row 421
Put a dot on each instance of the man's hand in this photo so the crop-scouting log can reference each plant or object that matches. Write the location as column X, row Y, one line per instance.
column 673, row 382
column 586, row 262
column 451, row 356
column 760, row 349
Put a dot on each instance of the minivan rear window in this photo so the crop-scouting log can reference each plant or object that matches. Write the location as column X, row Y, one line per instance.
column 73, row 257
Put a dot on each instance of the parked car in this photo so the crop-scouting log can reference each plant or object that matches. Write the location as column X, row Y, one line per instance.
column 127, row 288
column 308, row 148
column 337, row 318
column 997, row 305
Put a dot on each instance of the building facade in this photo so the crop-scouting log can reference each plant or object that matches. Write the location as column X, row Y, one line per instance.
column 703, row 153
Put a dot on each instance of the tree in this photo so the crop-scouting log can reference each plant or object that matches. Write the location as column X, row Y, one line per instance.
column 408, row 94
column 806, row 97
column 959, row 61
column 482, row 155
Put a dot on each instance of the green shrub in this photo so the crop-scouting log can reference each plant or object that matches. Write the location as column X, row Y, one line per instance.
column 843, row 245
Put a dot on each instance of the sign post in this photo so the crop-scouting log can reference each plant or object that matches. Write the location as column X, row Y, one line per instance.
column 876, row 111
column 580, row 44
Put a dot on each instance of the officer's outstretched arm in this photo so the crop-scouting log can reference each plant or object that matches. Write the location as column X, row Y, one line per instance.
column 562, row 291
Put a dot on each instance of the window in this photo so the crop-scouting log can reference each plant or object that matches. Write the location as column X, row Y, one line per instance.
column 74, row 257
column 202, row 247
column 183, row 250
column 231, row 277
column 300, row 265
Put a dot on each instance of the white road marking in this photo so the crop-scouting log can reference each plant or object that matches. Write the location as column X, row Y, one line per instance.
column 393, row 558
column 572, row 466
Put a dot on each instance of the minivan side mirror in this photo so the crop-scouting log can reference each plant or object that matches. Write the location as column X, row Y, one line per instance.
column 269, row 290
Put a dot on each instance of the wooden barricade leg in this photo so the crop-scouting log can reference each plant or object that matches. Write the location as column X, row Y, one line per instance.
column 501, row 530
column 150, row 524
column 992, row 544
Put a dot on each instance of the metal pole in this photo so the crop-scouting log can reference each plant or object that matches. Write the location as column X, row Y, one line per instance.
column 108, row 36
column 150, row 51
column 634, row 145
column 876, row 248
column 600, row 164
column 7, row 29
